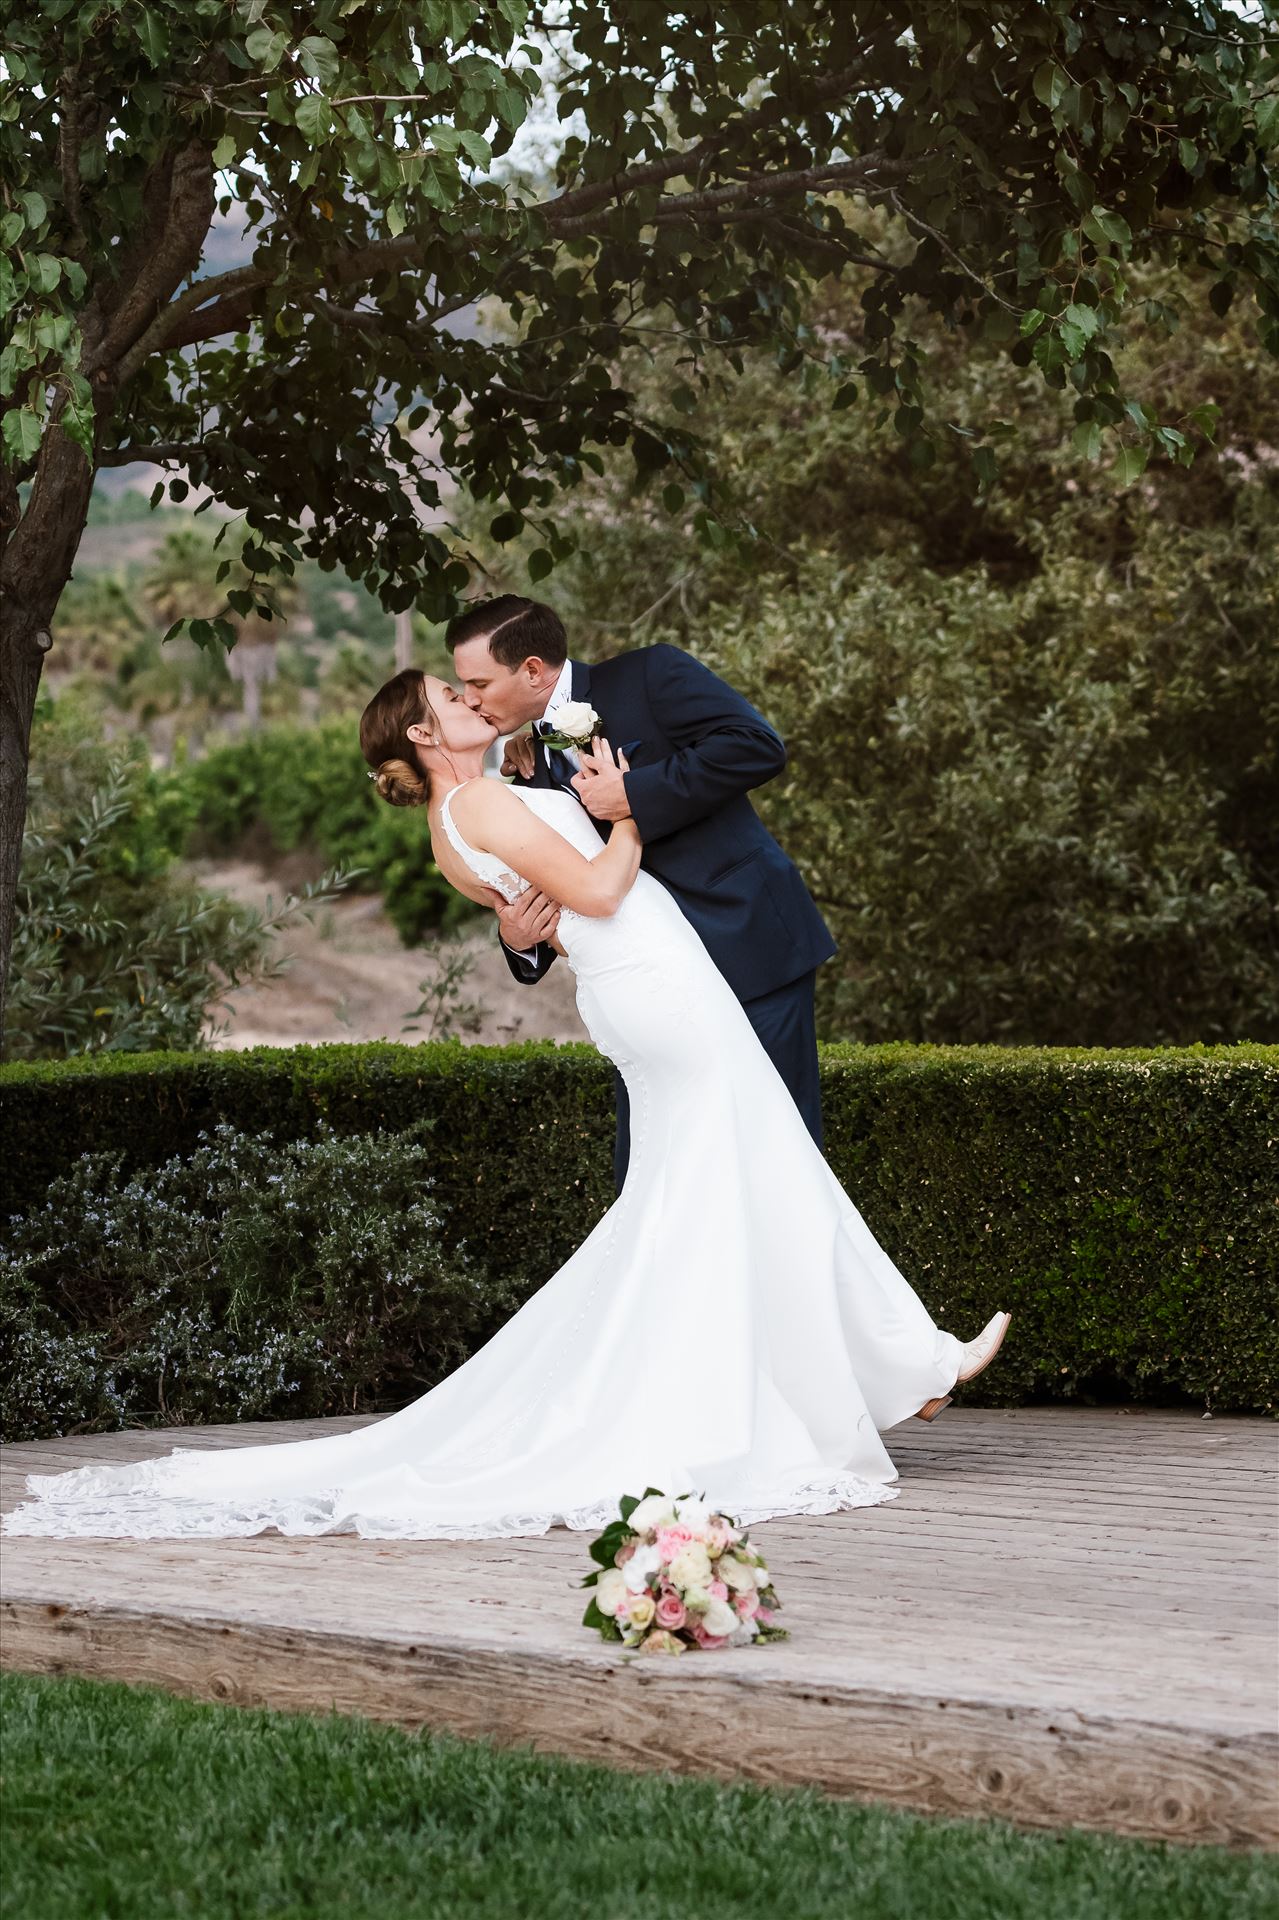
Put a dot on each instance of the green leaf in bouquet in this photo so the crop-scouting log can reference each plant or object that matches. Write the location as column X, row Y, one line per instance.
column 603, row 1623
column 605, row 1549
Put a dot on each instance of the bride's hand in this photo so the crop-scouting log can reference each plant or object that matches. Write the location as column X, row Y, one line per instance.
column 601, row 784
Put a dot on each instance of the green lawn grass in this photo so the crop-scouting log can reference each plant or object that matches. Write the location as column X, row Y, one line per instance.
column 125, row 1802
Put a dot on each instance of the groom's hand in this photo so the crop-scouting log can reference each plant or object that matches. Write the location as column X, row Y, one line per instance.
column 517, row 757
column 601, row 784
column 526, row 922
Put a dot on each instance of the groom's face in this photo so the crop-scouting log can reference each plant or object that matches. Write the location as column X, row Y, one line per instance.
column 507, row 697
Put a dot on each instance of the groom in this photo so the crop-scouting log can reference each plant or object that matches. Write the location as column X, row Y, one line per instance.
column 695, row 749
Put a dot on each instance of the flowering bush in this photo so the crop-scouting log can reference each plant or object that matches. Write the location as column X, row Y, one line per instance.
column 673, row 1574
column 245, row 1280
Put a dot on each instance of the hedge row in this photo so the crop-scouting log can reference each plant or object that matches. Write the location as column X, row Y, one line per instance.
column 1124, row 1205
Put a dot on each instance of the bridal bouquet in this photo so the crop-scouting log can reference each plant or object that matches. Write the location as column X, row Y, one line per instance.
column 671, row 1574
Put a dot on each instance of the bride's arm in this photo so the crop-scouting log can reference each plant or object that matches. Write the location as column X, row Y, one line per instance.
column 493, row 819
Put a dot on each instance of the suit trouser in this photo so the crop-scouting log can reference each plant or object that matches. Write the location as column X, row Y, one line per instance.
column 786, row 1023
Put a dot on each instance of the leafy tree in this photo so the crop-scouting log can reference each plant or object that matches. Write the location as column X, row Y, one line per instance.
column 713, row 158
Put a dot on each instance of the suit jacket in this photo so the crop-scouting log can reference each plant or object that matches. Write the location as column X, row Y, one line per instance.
column 696, row 748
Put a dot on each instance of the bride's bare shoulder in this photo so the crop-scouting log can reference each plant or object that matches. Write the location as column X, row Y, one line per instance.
column 483, row 799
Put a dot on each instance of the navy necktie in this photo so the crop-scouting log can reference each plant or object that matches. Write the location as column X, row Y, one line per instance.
column 558, row 763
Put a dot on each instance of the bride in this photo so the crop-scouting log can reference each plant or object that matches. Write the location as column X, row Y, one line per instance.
column 730, row 1326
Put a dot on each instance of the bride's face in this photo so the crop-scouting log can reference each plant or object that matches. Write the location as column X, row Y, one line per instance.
column 458, row 728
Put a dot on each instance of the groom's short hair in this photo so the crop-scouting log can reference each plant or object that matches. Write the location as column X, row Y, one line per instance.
column 516, row 630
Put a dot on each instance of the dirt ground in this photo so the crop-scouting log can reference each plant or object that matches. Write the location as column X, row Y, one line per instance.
column 349, row 978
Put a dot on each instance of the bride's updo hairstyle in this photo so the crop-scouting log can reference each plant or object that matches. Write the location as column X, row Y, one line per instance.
column 385, row 743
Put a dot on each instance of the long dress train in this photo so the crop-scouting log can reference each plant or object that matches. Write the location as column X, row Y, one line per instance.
column 730, row 1327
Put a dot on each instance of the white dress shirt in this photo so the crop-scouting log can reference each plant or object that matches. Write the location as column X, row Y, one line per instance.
column 561, row 694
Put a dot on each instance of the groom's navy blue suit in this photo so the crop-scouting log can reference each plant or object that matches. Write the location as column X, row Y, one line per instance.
column 696, row 748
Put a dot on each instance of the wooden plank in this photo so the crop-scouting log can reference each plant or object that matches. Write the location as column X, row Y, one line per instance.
column 949, row 1756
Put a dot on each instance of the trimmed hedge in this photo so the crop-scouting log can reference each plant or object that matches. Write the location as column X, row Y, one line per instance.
column 1123, row 1204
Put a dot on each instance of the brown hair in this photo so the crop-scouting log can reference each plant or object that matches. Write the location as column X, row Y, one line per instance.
column 384, row 738
column 515, row 628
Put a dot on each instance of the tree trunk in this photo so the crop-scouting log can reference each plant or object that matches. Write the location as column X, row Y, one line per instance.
column 35, row 566
column 24, row 641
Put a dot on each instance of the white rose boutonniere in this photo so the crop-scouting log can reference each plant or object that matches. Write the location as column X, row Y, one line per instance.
column 575, row 726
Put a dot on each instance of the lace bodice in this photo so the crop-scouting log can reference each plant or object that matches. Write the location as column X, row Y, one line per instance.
column 485, row 866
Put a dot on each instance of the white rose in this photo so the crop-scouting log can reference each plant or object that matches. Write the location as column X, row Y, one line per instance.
column 719, row 1618
column 691, row 1566
column 734, row 1573
column 656, row 1510
column 744, row 1632
column 643, row 1561
column 576, row 720
column 763, row 1578
column 694, row 1514
column 610, row 1590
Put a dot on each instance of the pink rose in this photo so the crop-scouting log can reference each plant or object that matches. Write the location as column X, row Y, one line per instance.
column 718, row 1591
column 765, row 1616
column 623, row 1554
column 720, row 1537
column 747, row 1605
column 670, row 1540
column 671, row 1611
column 710, row 1641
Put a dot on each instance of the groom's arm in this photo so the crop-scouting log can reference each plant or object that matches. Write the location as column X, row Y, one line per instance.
column 524, row 928
column 723, row 746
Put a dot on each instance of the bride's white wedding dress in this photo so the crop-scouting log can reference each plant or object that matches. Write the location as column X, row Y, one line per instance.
column 730, row 1327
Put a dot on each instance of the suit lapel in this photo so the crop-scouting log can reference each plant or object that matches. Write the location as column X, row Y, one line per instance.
column 579, row 685
column 541, row 772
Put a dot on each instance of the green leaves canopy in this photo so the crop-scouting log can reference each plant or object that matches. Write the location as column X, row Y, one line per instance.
column 705, row 163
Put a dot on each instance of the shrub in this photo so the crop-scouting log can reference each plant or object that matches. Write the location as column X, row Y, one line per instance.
column 1121, row 1204
column 307, row 786
column 1006, row 802
column 114, row 948
column 243, row 1280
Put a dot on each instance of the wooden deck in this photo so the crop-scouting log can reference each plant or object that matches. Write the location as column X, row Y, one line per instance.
column 1067, row 1618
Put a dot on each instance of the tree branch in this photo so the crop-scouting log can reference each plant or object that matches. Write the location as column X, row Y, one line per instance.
column 191, row 319
column 69, row 140
column 913, row 219
column 654, row 173
column 175, row 253
column 714, row 202
column 156, row 455
column 229, row 314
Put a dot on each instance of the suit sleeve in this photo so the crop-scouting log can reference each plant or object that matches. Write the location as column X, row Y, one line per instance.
column 528, row 969
column 723, row 746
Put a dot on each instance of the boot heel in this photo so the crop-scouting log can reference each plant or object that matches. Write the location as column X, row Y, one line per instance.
column 931, row 1408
